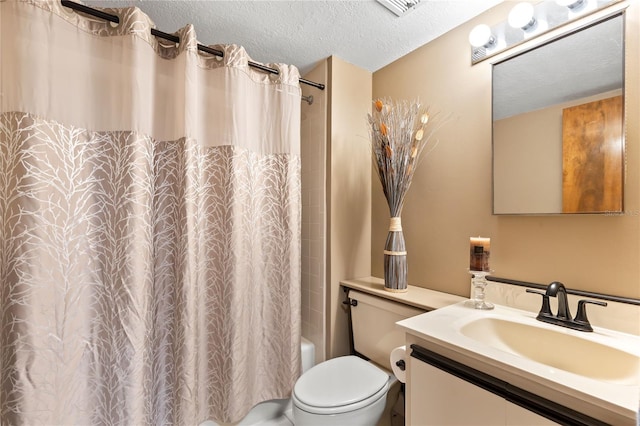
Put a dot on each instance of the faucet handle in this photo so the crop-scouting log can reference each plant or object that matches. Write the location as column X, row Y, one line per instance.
column 545, row 310
column 581, row 315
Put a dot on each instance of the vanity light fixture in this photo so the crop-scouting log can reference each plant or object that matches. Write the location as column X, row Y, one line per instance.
column 482, row 41
column 522, row 16
column 528, row 20
column 578, row 7
column 573, row 5
column 480, row 36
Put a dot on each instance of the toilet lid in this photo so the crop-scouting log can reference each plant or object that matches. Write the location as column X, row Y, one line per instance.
column 340, row 381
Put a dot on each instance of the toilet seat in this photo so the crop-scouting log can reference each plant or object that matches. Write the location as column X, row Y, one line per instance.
column 340, row 385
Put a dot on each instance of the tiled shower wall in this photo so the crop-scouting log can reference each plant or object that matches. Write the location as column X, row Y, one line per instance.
column 313, row 153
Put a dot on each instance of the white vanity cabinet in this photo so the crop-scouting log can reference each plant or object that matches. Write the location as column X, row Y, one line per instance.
column 438, row 398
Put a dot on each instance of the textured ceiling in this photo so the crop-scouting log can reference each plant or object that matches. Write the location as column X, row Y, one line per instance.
column 302, row 33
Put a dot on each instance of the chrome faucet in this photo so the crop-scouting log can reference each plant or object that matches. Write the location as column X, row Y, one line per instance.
column 563, row 316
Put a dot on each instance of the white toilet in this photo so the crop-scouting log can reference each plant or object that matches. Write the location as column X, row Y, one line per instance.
column 349, row 390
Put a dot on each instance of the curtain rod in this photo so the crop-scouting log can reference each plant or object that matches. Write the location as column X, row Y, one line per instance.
column 113, row 18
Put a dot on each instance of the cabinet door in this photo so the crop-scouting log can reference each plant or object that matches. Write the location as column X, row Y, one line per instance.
column 437, row 398
column 518, row 416
column 440, row 399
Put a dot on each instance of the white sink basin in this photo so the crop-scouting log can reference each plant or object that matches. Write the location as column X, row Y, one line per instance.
column 595, row 373
column 557, row 349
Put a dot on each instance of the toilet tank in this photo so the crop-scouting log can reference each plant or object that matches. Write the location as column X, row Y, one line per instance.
column 373, row 320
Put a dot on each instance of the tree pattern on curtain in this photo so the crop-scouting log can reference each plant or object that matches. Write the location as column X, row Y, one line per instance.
column 143, row 281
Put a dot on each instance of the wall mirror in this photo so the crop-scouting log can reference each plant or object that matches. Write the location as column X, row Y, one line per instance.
column 558, row 139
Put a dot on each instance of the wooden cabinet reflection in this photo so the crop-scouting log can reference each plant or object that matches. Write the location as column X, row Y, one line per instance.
column 592, row 157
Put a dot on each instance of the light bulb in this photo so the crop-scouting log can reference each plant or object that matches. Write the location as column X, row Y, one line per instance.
column 481, row 35
column 521, row 16
column 571, row 4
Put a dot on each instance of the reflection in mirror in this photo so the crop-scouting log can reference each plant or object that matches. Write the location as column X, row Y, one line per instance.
column 558, row 144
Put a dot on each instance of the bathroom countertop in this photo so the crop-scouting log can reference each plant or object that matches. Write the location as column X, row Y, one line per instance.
column 419, row 297
column 536, row 363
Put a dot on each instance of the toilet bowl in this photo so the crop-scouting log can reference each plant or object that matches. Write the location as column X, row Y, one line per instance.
column 349, row 390
column 342, row 391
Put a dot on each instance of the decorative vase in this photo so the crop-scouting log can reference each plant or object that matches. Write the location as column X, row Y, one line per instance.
column 395, row 259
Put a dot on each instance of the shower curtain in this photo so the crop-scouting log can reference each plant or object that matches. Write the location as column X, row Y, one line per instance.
column 149, row 224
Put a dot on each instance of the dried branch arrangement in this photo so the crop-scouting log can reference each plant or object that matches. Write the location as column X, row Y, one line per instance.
column 400, row 131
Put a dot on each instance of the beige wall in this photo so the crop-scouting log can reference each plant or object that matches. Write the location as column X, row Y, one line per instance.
column 349, row 197
column 527, row 162
column 450, row 199
column 527, row 159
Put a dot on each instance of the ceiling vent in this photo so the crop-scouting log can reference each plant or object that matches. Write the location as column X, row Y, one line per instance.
column 400, row 7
